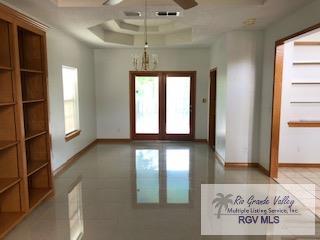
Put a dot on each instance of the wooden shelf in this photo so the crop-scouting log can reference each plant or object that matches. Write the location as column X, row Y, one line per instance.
column 305, row 43
column 305, row 83
column 31, row 70
column 35, row 166
column 6, row 144
column 304, row 102
column 6, row 183
column 6, row 68
column 309, row 124
column 7, row 104
column 36, row 195
column 307, row 63
column 8, row 221
column 33, row 101
column 28, row 122
column 32, row 135
column 10, row 189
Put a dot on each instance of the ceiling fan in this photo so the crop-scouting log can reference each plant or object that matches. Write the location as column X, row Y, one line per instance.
column 185, row 4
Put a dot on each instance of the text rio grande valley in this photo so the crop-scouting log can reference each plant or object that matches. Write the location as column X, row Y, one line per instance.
column 259, row 211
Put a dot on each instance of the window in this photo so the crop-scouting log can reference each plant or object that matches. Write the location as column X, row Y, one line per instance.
column 71, row 102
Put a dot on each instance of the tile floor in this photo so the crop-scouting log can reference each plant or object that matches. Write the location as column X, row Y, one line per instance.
column 303, row 177
column 128, row 192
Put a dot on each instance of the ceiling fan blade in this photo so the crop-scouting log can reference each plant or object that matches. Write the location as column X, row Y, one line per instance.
column 186, row 4
column 112, row 2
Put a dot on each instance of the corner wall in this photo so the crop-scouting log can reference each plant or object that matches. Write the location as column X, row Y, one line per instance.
column 65, row 50
column 243, row 95
column 218, row 59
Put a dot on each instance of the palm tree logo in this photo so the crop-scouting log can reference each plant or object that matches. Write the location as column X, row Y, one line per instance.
column 222, row 201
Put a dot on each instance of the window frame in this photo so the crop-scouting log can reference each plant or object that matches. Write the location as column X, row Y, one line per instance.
column 76, row 132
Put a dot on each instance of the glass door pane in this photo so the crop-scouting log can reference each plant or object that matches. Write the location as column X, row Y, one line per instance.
column 147, row 104
column 178, row 105
column 178, row 167
column 76, row 221
column 147, row 176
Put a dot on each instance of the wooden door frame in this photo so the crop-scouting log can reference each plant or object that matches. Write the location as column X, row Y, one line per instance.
column 133, row 134
column 162, row 106
column 212, row 109
column 192, row 75
column 277, row 92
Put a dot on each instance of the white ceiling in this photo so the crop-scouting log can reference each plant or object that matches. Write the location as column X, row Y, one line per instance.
column 208, row 20
column 151, row 22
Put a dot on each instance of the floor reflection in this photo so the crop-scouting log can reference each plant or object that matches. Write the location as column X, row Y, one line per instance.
column 178, row 175
column 162, row 177
column 147, row 176
column 76, row 211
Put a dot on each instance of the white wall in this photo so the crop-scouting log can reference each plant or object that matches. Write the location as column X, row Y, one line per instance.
column 64, row 50
column 112, row 68
column 300, row 145
column 298, row 21
column 243, row 95
column 239, row 77
column 218, row 59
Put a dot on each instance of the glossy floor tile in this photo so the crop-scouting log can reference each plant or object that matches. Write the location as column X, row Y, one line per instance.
column 301, row 177
column 133, row 192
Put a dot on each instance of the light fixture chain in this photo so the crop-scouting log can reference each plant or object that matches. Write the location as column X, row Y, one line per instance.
column 145, row 23
column 147, row 61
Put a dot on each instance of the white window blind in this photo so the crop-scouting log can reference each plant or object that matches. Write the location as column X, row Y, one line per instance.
column 71, row 102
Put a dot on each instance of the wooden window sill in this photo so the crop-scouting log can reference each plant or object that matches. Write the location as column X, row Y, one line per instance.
column 72, row 135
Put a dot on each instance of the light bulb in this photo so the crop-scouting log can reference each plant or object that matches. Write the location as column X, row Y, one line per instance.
column 112, row 2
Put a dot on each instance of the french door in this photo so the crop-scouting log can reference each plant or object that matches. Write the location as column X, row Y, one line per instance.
column 162, row 105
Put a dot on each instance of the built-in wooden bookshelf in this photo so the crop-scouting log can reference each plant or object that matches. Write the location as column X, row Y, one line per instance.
column 25, row 165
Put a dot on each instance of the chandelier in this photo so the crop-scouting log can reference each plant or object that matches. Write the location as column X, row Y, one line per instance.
column 147, row 61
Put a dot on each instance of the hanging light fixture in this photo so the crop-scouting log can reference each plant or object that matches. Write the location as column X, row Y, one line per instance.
column 112, row 2
column 145, row 62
